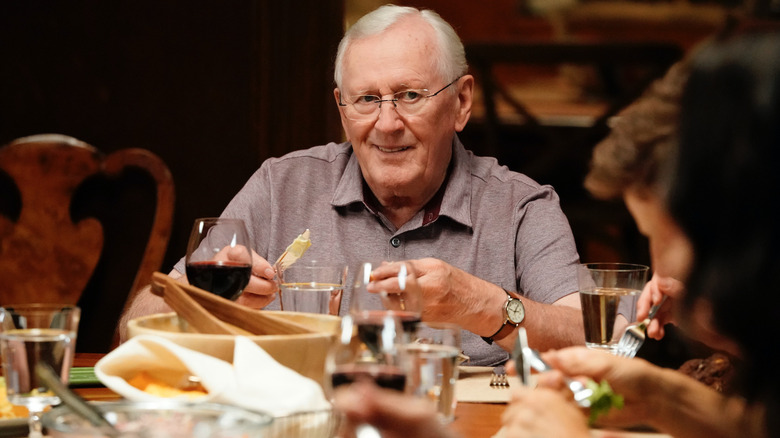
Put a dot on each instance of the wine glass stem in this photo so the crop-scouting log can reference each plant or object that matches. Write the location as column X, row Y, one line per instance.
column 34, row 421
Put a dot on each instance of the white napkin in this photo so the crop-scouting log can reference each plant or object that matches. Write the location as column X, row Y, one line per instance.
column 254, row 381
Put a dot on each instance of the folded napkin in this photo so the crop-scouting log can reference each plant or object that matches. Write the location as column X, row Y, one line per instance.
column 473, row 386
column 254, row 381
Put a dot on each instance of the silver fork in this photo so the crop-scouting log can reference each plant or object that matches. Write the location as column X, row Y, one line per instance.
column 499, row 379
column 634, row 336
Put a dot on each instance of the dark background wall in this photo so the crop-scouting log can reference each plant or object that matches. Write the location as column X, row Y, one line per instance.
column 212, row 87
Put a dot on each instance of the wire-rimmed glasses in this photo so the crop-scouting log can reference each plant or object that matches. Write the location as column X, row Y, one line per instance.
column 408, row 102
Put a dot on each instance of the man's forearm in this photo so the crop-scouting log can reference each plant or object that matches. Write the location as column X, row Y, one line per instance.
column 144, row 303
column 548, row 326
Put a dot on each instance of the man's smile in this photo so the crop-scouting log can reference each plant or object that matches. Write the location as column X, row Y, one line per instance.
column 392, row 148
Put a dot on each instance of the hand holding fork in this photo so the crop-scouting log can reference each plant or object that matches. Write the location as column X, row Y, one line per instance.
column 634, row 336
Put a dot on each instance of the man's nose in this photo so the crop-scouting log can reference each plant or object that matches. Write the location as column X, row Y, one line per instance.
column 388, row 118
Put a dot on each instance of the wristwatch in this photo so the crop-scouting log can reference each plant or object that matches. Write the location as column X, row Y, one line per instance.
column 514, row 313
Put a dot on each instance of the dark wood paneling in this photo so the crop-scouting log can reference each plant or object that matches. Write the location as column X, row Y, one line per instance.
column 213, row 87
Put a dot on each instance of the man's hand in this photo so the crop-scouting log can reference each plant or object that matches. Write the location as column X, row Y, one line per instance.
column 453, row 295
column 262, row 287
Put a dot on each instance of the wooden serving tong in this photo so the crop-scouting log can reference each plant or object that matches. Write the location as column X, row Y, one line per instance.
column 209, row 313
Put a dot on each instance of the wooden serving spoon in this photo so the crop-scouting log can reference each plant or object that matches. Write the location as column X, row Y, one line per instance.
column 255, row 322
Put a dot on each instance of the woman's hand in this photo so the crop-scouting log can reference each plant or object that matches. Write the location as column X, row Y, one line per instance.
column 543, row 412
column 395, row 414
column 653, row 293
column 633, row 379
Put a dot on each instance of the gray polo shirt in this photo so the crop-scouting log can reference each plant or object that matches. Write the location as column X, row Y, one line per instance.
column 494, row 223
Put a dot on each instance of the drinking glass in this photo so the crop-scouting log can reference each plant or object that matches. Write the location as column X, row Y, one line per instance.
column 33, row 333
column 369, row 346
column 394, row 289
column 312, row 287
column 434, row 353
column 606, row 291
column 219, row 258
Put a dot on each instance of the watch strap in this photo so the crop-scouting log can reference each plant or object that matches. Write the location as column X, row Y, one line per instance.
column 508, row 326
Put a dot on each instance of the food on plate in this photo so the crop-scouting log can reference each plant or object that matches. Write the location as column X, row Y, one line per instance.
column 160, row 388
column 7, row 410
column 602, row 400
column 714, row 371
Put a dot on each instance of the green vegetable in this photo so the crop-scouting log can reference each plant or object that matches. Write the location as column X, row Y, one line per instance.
column 83, row 376
column 602, row 400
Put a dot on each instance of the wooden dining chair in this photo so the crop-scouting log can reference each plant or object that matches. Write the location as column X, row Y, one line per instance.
column 72, row 228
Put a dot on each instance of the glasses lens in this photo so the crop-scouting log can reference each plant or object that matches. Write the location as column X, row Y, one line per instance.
column 406, row 103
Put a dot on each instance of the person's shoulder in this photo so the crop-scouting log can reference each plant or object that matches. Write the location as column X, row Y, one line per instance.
column 489, row 170
column 328, row 153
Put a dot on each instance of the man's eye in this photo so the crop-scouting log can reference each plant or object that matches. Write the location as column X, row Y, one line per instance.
column 408, row 95
column 366, row 99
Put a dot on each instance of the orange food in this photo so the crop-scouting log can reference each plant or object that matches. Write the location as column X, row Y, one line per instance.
column 159, row 388
column 7, row 410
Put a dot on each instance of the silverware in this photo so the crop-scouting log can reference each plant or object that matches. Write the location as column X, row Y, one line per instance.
column 634, row 336
column 499, row 379
column 73, row 401
column 531, row 359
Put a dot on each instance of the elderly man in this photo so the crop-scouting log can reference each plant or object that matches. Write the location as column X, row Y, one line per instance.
column 491, row 247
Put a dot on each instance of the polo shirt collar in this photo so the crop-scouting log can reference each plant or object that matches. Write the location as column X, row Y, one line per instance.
column 455, row 202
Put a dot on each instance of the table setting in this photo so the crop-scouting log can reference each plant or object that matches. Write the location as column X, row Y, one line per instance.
column 285, row 364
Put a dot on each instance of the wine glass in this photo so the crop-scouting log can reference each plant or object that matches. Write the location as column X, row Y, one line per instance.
column 369, row 346
column 387, row 287
column 219, row 258
column 33, row 333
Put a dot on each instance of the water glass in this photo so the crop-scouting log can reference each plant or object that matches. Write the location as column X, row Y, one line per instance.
column 312, row 287
column 33, row 333
column 608, row 293
column 434, row 353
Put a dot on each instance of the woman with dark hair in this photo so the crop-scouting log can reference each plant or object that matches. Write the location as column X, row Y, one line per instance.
column 720, row 200
column 725, row 195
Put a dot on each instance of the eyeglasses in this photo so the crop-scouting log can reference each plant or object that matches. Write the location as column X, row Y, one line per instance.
column 406, row 102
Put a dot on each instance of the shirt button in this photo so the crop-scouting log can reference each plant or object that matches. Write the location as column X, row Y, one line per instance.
column 396, row 242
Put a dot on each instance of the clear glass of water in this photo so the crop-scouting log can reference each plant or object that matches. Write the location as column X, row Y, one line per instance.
column 434, row 354
column 33, row 333
column 312, row 287
column 608, row 294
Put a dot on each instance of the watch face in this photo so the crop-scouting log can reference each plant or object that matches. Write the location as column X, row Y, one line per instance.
column 515, row 311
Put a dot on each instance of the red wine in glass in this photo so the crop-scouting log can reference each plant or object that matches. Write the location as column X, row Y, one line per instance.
column 368, row 331
column 219, row 258
column 385, row 376
column 224, row 278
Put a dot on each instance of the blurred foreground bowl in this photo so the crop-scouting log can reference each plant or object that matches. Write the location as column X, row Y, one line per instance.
column 303, row 353
column 308, row 424
column 163, row 419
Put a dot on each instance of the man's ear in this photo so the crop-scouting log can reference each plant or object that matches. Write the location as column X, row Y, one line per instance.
column 337, row 95
column 465, row 98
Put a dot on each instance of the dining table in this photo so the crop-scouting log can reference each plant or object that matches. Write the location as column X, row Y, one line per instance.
column 472, row 420
column 477, row 418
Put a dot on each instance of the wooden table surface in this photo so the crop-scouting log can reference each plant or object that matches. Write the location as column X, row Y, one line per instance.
column 472, row 420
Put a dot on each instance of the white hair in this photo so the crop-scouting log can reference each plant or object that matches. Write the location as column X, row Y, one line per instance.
column 451, row 61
